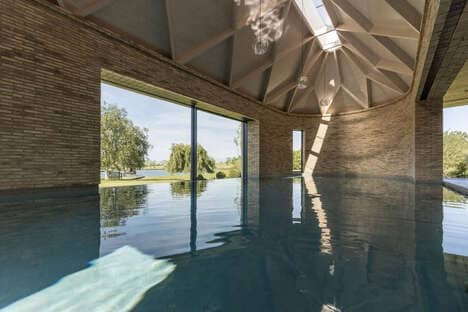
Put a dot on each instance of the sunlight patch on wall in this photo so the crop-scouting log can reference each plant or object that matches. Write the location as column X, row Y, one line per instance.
column 313, row 155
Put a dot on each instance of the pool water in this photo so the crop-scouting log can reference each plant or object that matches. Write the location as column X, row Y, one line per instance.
column 285, row 244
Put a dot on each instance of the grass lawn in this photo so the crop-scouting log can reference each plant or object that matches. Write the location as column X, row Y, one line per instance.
column 168, row 178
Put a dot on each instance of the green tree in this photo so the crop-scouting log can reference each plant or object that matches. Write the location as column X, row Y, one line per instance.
column 179, row 160
column 455, row 151
column 297, row 160
column 124, row 146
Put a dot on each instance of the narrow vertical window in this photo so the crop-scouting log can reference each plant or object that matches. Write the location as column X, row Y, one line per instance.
column 297, row 151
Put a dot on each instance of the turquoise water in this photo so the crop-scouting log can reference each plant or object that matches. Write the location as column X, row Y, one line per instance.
column 321, row 244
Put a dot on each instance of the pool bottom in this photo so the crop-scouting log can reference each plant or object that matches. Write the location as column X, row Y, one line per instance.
column 286, row 244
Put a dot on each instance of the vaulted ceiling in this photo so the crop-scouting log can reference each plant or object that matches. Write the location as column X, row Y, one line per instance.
column 373, row 66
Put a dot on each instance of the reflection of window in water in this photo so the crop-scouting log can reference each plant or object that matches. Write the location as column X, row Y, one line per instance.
column 184, row 188
column 119, row 203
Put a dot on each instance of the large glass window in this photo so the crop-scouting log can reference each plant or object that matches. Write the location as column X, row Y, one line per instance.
column 297, row 150
column 455, row 142
column 142, row 137
column 220, row 139
column 148, row 139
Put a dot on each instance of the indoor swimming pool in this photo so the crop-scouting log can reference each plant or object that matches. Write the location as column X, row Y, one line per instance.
column 283, row 244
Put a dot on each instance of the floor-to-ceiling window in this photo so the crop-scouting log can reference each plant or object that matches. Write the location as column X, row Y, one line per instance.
column 146, row 139
column 297, row 150
column 221, row 139
column 455, row 142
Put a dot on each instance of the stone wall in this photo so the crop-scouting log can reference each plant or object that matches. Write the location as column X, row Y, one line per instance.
column 50, row 74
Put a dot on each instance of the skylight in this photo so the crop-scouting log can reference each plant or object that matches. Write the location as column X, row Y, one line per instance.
column 320, row 22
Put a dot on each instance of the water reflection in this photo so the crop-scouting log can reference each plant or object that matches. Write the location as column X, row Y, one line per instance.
column 119, row 203
column 43, row 240
column 258, row 245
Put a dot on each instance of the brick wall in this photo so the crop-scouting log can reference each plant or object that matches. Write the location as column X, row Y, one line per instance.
column 50, row 72
column 428, row 140
column 377, row 142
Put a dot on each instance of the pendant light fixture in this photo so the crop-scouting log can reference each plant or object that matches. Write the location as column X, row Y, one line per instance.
column 303, row 80
column 261, row 43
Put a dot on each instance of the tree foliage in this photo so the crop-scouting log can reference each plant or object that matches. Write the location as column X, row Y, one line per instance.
column 455, row 154
column 124, row 146
column 180, row 159
column 297, row 160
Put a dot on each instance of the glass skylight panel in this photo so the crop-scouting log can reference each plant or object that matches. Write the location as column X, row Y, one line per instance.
column 320, row 22
column 330, row 40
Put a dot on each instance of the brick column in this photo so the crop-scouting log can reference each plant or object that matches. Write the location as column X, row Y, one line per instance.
column 428, row 141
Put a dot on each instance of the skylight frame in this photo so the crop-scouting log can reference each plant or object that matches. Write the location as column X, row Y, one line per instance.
column 320, row 21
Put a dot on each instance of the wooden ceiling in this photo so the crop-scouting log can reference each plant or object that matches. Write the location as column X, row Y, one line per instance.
column 375, row 64
column 457, row 94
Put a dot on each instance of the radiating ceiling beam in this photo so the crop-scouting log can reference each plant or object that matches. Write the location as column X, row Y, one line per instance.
column 85, row 9
column 363, row 22
column 360, row 19
column 408, row 12
column 170, row 28
column 235, row 24
column 269, row 63
column 301, row 70
column 313, row 60
column 275, row 54
column 395, row 50
column 382, row 77
column 391, row 81
column 303, row 96
column 356, row 98
column 198, row 49
column 369, row 92
column 367, row 101
column 279, row 91
column 379, row 30
column 396, row 67
column 366, row 52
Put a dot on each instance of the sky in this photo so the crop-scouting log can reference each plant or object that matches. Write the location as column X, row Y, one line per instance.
column 170, row 123
column 297, row 141
column 456, row 118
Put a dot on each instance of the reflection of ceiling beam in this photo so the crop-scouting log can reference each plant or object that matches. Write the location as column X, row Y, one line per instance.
column 279, row 91
column 198, row 49
column 269, row 63
column 85, row 9
column 407, row 11
column 398, row 52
